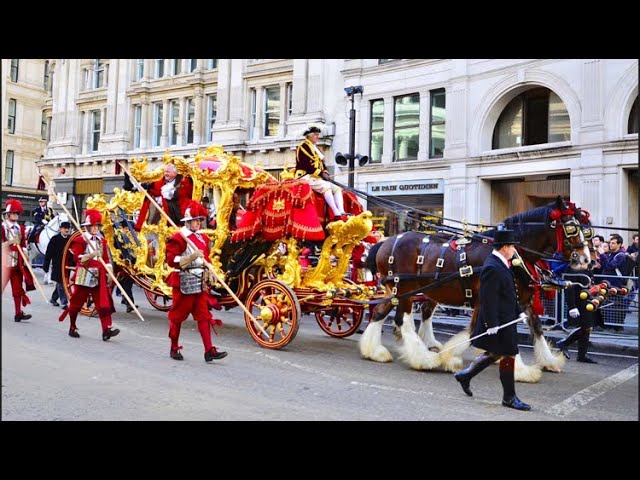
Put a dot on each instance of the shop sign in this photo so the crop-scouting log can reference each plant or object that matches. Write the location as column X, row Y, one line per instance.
column 406, row 187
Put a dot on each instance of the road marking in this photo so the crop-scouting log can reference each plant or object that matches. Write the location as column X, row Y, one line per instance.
column 583, row 397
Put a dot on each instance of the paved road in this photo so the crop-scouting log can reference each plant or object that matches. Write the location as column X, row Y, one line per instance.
column 46, row 375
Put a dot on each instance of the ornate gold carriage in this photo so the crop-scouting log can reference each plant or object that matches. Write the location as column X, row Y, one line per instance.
column 262, row 269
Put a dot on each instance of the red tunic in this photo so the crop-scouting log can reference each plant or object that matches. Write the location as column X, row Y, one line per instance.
column 180, row 201
column 20, row 272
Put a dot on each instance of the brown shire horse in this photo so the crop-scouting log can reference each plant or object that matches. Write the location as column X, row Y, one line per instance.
column 413, row 260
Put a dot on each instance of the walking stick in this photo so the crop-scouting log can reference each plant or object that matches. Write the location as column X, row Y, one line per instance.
column 519, row 319
column 26, row 262
column 139, row 187
column 92, row 247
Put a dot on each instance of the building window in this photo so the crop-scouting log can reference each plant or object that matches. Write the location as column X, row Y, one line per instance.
column 176, row 66
column 212, row 112
column 533, row 117
column 8, row 168
column 193, row 64
column 44, row 127
column 15, row 63
column 377, row 130
column 13, row 105
column 212, row 63
column 159, row 68
column 98, row 73
column 386, row 60
column 271, row 111
column 174, row 118
column 45, row 82
column 190, row 116
column 406, row 127
column 157, row 124
column 289, row 99
column 633, row 117
column 137, row 125
column 252, row 118
column 95, row 129
column 139, row 69
column 437, row 122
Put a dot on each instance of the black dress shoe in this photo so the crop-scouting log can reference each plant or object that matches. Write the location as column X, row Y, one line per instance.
column 54, row 303
column 176, row 355
column 563, row 348
column 109, row 332
column 464, row 383
column 130, row 308
column 214, row 354
column 22, row 316
column 516, row 403
column 586, row 359
column 73, row 332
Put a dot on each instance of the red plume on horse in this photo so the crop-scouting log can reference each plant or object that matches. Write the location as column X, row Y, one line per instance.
column 445, row 266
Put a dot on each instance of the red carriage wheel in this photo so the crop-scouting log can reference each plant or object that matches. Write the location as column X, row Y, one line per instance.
column 276, row 309
column 158, row 300
column 341, row 321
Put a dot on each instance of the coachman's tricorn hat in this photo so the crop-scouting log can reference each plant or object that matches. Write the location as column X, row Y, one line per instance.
column 504, row 237
column 311, row 129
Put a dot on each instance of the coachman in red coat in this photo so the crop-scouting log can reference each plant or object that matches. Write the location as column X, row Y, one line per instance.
column 90, row 277
column 190, row 285
column 14, row 234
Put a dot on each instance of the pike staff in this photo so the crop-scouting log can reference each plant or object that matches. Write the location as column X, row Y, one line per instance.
column 139, row 187
column 92, row 247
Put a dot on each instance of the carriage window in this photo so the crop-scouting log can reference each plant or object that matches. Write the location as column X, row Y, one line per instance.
column 157, row 123
column 212, row 112
column 633, row 117
column 271, row 111
column 377, row 130
column 406, row 127
column 174, row 118
column 8, row 168
column 533, row 117
column 437, row 123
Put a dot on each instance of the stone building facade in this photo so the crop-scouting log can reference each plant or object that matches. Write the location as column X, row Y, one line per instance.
column 25, row 129
column 465, row 139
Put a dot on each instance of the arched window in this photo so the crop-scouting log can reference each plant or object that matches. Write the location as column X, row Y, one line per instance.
column 533, row 117
column 633, row 117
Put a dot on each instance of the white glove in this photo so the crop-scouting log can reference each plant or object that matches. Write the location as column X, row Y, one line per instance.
column 492, row 330
column 167, row 191
column 523, row 317
column 574, row 313
column 88, row 256
column 44, row 222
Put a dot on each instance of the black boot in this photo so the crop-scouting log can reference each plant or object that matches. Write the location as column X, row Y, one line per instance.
column 583, row 346
column 563, row 345
column 464, row 376
column 509, row 398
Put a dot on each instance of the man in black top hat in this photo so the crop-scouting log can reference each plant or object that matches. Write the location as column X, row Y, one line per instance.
column 53, row 257
column 499, row 305
column 41, row 216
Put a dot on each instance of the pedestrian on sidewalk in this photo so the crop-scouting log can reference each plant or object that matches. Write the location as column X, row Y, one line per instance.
column 499, row 305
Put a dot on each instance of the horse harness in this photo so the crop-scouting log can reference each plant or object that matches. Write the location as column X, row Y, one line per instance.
column 464, row 270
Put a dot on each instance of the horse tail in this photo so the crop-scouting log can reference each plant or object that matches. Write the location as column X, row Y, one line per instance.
column 371, row 257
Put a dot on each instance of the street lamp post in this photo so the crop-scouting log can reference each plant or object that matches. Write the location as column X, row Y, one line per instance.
column 351, row 157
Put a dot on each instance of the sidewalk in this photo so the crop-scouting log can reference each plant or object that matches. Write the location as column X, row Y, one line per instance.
column 619, row 343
